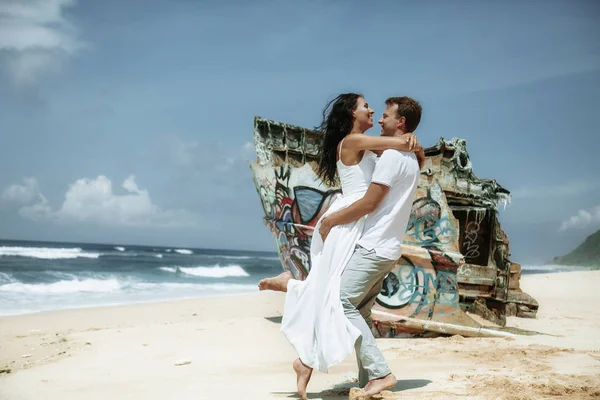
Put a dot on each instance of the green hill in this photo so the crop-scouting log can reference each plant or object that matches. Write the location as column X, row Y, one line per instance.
column 587, row 254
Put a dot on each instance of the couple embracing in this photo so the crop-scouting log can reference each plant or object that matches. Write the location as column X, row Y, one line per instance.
column 357, row 242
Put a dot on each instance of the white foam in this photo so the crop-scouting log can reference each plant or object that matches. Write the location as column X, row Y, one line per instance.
column 158, row 255
column 120, row 248
column 46, row 252
column 229, row 257
column 183, row 251
column 22, row 299
column 61, row 287
column 215, row 271
column 242, row 257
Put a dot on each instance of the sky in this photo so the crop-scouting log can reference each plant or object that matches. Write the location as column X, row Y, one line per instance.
column 131, row 122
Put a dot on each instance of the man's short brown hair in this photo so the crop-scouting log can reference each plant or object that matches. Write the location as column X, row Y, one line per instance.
column 408, row 108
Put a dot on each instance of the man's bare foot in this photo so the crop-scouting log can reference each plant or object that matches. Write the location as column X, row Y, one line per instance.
column 303, row 373
column 278, row 283
column 377, row 386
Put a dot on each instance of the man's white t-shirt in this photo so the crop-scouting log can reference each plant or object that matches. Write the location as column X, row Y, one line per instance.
column 385, row 227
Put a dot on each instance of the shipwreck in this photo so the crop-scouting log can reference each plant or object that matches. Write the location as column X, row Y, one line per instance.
column 455, row 260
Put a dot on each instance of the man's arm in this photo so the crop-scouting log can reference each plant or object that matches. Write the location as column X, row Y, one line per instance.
column 420, row 158
column 406, row 142
column 367, row 204
column 411, row 140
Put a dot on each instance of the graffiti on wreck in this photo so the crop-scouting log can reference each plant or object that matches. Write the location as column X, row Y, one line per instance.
column 470, row 242
column 424, row 289
column 464, row 270
column 448, row 198
column 291, row 217
column 427, row 226
column 474, row 235
column 310, row 202
column 266, row 193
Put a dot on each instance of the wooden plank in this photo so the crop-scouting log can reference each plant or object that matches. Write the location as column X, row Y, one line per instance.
column 476, row 281
column 476, row 274
column 474, row 291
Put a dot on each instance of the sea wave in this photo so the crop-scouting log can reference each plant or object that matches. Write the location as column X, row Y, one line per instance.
column 65, row 286
column 107, row 285
column 215, row 271
column 120, row 248
column 184, row 251
column 6, row 278
column 18, row 298
column 49, row 253
column 227, row 257
column 549, row 268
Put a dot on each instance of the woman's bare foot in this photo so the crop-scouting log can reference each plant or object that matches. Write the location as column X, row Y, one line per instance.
column 377, row 386
column 303, row 373
column 278, row 283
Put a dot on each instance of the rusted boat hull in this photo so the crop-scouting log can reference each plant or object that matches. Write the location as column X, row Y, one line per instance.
column 455, row 254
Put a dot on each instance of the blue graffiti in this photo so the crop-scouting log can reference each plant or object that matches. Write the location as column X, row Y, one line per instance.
column 413, row 285
column 427, row 226
column 309, row 201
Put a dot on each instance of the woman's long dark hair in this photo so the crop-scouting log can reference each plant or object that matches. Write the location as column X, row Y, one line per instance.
column 337, row 123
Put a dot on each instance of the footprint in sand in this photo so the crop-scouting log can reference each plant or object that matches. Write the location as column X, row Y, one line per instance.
column 359, row 394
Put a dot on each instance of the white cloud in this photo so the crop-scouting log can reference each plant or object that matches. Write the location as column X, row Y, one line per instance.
column 35, row 38
column 25, row 193
column 38, row 211
column 94, row 201
column 582, row 219
column 567, row 189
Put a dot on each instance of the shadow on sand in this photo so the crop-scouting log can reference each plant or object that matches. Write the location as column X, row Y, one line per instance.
column 343, row 390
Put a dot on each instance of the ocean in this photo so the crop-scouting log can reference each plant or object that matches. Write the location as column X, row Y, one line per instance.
column 41, row 276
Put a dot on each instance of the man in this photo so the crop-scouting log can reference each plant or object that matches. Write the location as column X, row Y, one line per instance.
column 388, row 203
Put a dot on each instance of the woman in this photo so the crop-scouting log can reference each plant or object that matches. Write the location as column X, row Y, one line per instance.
column 314, row 321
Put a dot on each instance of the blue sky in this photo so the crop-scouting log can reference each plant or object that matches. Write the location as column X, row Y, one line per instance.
column 130, row 122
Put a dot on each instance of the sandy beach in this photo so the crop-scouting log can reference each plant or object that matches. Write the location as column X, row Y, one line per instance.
column 231, row 348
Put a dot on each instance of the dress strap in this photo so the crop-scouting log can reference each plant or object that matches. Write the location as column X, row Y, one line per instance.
column 340, row 155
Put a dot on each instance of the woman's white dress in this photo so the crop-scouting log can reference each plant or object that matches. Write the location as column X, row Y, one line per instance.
column 313, row 319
